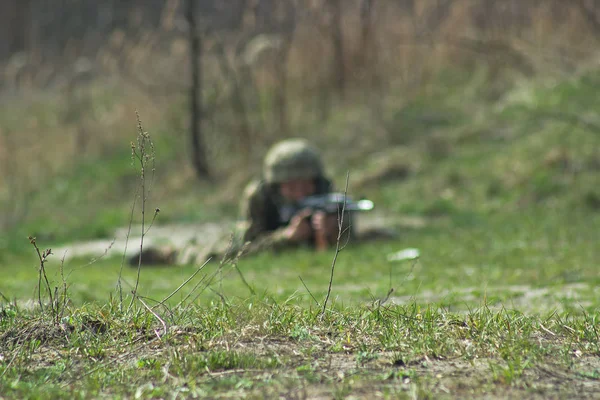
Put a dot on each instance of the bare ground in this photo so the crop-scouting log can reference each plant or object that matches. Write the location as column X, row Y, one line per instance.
column 385, row 377
column 311, row 371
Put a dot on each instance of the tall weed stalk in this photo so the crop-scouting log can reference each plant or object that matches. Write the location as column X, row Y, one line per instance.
column 142, row 155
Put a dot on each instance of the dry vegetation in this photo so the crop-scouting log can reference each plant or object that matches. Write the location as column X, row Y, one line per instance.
column 274, row 76
column 376, row 77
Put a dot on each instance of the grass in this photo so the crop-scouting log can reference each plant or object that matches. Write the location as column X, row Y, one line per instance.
column 495, row 305
column 260, row 347
column 501, row 303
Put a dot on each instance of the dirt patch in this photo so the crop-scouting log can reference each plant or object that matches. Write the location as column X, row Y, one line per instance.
column 319, row 374
column 522, row 297
column 460, row 378
column 175, row 235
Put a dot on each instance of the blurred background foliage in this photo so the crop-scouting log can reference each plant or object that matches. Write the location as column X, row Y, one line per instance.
column 486, row 104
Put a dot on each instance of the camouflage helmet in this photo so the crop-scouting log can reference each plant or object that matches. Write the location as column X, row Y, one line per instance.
column 292, row 159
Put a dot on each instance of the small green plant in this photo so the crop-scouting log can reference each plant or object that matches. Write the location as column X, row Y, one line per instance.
column 58, row 300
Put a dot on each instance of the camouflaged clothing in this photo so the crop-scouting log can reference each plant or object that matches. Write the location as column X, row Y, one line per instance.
column 262, row 226
column 259, row 229
column 259, row 208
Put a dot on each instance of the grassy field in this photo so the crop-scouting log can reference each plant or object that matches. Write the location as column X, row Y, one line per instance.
column 497, row 308
column 501, row 200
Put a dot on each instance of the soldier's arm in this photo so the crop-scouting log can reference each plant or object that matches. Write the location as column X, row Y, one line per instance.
column 254, row 213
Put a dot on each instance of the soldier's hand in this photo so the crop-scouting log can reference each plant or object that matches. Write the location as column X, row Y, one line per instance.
column 325, row 223
column 299, row 227
column 326, row 229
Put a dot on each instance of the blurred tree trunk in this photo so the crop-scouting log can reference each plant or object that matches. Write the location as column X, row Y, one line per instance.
column 238, row 106
column 198, row 151
column 408, row 6
column 369, row 60
column 338, row 47
column 431, row 22
column 589, row 10
column 15, row 26
column 366, row 9
column 281, row 103
column 288, row 28
column 367, row 57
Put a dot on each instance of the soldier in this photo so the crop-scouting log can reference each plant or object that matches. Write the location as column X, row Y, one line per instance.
column 292, row 170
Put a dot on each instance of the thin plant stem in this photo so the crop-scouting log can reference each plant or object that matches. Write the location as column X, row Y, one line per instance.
column 182, row 285
column 337, row 244
column 119, row 285
column 42, row 273
column 309, row 292
column 143, row 156
column 162, row 321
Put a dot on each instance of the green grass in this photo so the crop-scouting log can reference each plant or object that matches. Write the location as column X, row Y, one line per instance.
column 502, row 301
column 482, row 253
column 260, row 347
column 495, row 304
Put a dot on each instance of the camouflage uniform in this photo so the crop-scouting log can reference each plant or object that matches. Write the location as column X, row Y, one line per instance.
column 262, row 226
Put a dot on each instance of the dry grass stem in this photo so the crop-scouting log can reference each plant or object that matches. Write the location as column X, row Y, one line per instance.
column 143, row 155
column 341, row 231
column 183, row 284
column 162, row 321
column 309, row 292
column 42, row 273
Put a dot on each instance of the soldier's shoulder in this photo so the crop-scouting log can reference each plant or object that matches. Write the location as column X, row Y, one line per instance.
column 254, row 189
column 253, row 198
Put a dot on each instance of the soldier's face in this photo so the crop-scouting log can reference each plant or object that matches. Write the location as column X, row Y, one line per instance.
column 297, row 189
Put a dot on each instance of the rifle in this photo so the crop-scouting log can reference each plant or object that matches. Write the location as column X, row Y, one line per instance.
column 330, row 203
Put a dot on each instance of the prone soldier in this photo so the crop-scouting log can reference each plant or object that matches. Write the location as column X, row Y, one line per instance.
column 272, row 212
column 271, row 207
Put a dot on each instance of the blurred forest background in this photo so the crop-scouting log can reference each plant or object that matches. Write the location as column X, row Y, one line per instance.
column 354, row 76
